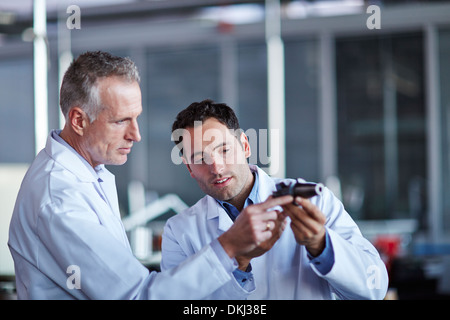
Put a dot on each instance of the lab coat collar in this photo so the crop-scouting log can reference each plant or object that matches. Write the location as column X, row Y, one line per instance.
column 266, row 184
column 215, row 210
column 69, row 160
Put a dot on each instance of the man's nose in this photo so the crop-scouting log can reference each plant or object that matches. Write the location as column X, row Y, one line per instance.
column 133, row 133
column 217, row 165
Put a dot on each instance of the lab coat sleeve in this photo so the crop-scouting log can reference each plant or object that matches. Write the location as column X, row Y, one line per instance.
column 176, row 248
column 358, row 271
column 171, row 250
column 73, row 236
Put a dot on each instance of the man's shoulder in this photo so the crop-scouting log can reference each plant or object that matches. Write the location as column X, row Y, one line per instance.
column 46, row 179
column 39, row 172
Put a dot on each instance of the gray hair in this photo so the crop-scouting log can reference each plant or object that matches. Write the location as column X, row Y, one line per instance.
column 79, row 85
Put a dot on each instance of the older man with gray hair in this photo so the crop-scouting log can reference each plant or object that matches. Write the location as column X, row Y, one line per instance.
column 66, row 236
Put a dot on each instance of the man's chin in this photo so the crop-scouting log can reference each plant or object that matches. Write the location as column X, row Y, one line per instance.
column 117, row 162
column 223, row 197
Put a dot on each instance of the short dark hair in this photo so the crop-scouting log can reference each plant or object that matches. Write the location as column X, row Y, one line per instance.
column 202, row 111
column 80, row 80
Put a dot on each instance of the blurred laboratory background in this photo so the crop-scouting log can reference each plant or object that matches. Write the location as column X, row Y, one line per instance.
column 357, row 90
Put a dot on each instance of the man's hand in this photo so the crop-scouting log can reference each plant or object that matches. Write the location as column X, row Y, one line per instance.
column 308, row 225
column 256, row 227
column 277, row 231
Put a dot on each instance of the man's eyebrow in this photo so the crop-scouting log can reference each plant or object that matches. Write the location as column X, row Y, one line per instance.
column 122, row 118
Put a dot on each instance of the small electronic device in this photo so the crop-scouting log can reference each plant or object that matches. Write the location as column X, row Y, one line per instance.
column 298, row 189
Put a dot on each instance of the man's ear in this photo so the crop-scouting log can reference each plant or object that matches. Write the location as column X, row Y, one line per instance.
column 245, row 145
column 78, row 120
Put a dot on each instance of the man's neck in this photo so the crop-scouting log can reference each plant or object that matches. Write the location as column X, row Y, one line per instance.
column 239, row 201
column 72, row 141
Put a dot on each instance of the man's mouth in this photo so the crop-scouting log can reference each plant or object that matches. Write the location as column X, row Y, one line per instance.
column 221, row 182
column 125, row 150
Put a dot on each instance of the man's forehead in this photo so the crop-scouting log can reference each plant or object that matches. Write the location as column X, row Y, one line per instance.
column 200, row 140
column 124, row 100
column 117, row 112
column 208, row 135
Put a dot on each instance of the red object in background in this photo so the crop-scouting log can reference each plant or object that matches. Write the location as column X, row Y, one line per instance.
column 389, row 248
column 225, row 27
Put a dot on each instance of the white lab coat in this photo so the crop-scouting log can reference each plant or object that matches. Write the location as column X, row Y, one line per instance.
column 285, row 271
column 64, row 218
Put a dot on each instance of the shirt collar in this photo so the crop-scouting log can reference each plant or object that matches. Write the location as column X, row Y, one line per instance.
column 254, row 193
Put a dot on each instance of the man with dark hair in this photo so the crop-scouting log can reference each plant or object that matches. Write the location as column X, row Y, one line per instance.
column 66, row 236
column 322, row 253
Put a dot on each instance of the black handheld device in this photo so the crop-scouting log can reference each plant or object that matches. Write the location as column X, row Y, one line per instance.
column 298, row 189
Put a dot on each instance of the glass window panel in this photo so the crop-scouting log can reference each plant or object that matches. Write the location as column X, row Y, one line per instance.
column 252, row 98
column 301, row 103
column 381, row 125
column 16, row 111
column 444, row 69
column 302, row 133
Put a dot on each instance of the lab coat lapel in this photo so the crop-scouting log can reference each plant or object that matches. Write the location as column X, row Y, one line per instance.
column 266, row 184
column 109, row 188
column 225, row 221
column 215, row 211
